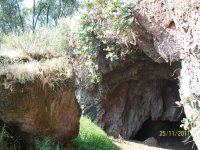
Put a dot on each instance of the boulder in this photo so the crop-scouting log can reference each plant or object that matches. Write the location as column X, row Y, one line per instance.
column 151, row 142
column 39, row 96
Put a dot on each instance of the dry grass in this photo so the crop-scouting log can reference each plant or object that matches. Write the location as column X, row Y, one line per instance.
column 36, row 55
column 29, row 71
column 44, row 41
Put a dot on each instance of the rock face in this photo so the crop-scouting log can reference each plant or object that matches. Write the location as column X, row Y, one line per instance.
column 46, row 106
column 130, row 94
column 171, row 95
column 167, row 34
column 175, row 28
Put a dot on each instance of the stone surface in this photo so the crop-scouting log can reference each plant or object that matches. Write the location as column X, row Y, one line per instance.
column 129, row 94
column 171, row 111
column 46, row 106
column 175, row 25
column 167, row 31
column 38, row 109
column 151, row 142
column 157, row 19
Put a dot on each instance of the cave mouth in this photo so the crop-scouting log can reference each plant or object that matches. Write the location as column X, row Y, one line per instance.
column 13, row 138
column 168, row 134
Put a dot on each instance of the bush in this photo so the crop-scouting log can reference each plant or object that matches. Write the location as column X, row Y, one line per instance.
column 44, row 41
column 104, row 25
column 7, row 141
column 35, row 55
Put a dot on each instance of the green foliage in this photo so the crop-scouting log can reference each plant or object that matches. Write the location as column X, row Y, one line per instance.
column 16, row 17
column 52, row 41
column 188, row 123
column 192, row 101
column 91, row 137
column 7, row 142
column 47, row 144
column 11, row 19
column 105, row 25
column 47, row 12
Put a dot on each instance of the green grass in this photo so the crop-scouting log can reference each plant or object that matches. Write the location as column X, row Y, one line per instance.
column 47, row 145
column 91, row 137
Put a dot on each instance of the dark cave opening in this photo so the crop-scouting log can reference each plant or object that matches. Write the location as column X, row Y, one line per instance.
column 166, row 130
column 13, row 138
column 168, row 134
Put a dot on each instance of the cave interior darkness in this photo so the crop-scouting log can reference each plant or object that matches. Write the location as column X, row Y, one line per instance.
column 177, row 137
column 154, row 129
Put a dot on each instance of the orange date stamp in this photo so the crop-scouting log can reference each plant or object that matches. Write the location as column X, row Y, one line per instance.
column 174, row 133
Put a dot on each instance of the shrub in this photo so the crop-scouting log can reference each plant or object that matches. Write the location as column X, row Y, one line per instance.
column 44, row 41
column 104, row 25
column 36, row 55
column 189, row 123
column 192, row 101
column 7, row 141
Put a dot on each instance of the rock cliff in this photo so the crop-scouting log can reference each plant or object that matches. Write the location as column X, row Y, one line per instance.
column 164, row 69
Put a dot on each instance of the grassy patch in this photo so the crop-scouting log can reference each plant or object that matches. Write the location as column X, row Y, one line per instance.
column 91, row 137
column 43, row 42
column 29, row 71
column 36, row 55
column 47, row 145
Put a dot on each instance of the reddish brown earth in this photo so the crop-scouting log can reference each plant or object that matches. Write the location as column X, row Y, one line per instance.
column 45, row 105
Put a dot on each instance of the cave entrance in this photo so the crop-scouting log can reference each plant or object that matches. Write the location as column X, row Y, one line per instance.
column 13, row 138
column 168, row 134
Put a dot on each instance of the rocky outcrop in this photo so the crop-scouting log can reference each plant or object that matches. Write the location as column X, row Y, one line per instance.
column 156, row 18
column 175, row 28
column 42, row 101
column 149, row 81
column 129, row 95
